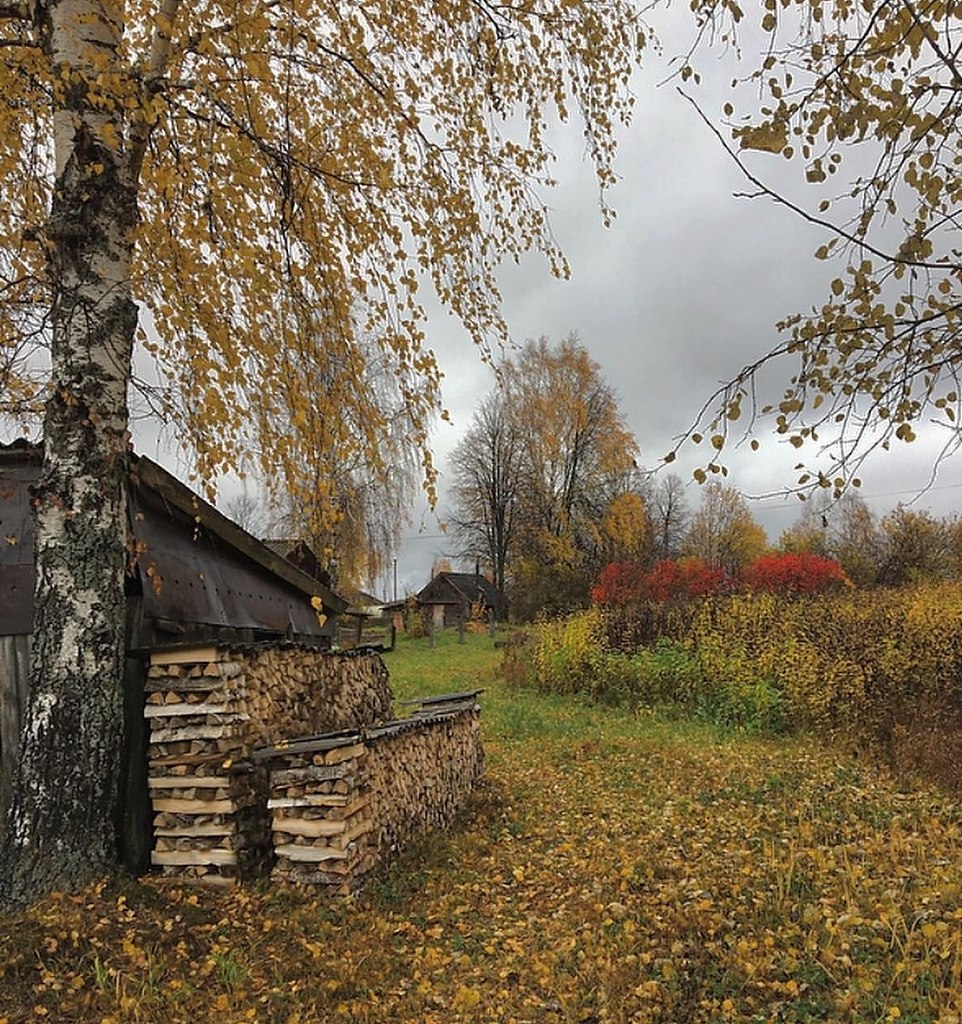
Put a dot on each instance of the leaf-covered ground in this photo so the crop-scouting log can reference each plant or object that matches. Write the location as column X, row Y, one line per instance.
column 612, row 868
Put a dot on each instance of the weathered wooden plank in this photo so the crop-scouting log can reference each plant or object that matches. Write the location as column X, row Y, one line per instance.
column 208, row 881
column 190, row 857
column 196, row 806
column 310, row 854
column 188, row 781
column 310, row 800
column 308, row 745
column 193, row 732
column 184, row 654
column 306, row 827
column 303, row 876
column 202, row 685
column 177, row 710
column 185, row 760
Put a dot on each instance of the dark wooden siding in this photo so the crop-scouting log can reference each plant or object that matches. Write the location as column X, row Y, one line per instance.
column 14, row 683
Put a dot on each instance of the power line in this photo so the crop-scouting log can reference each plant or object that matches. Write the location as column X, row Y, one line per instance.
column 784, row 505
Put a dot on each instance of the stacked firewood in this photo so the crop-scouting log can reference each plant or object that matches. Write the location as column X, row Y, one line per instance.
column 321, row 811
column 343, row 803
column 311, row 692
column 422, row 773
column 207, row 709
column 205, row 819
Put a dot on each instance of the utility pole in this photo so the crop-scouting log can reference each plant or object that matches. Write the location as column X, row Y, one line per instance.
column 395, row 579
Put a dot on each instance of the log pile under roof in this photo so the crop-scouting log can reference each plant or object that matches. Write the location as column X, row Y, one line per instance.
column 207, row 708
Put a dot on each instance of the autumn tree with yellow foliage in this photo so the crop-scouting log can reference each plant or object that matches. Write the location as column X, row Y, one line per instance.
column 242, row 190
column 546, row 487
column 723, row 533
column 866, row 100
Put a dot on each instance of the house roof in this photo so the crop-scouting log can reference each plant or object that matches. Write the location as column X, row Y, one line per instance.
column 283, row 547
column 366, row 604
column 458, row 588
column 301, row 554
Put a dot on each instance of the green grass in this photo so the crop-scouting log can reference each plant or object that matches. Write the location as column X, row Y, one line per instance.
column 518, row 715
column 419, row 670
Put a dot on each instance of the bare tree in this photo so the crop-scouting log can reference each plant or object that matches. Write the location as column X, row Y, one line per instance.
column 486, row 468
column 670, row 515
column 249, row 509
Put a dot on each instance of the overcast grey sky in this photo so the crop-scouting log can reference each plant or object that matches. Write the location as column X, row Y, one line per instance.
column 673, row 299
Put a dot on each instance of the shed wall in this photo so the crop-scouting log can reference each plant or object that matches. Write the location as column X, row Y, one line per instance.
column 14, row 684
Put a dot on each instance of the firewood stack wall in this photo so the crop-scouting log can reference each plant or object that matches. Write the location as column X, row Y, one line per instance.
column 421, row 777
column 307, row 691
column 342, row 805
column 207, row 709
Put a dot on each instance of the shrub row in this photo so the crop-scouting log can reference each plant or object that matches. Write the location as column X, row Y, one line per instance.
column 627, row 583
column 884, row 667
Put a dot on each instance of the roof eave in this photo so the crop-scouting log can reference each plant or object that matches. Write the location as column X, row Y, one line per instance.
column 182, row 497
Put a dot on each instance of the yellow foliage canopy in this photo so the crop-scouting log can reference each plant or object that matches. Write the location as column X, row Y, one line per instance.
column 301, row 169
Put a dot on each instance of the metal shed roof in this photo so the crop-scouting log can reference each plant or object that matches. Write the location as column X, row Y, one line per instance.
column 206, row 571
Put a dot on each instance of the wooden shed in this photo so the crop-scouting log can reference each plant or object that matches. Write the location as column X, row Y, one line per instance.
column 195, row 576
column 450, row 597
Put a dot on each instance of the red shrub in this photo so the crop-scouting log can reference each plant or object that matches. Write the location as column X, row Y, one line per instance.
column 802, row 573
column 623, row 583
column 620, row 583
column 687, row 578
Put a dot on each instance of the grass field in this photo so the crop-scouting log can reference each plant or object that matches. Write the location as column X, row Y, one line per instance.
column 613, row 867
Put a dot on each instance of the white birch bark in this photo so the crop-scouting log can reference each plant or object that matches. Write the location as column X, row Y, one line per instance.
column 61, row 828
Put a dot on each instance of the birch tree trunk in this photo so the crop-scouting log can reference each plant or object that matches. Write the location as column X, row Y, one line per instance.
column 61, row 827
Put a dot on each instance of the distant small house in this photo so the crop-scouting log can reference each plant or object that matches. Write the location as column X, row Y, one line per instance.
column 451, row 596
column 366, row 623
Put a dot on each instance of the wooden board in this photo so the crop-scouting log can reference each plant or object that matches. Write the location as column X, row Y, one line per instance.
column 189, row 857
column 192, row 732
column 184, row 654
column 164, row 684
column 304, row 827
column 195, row 806
column 177, row 710
column 310, row 854
column 310, row 800
column 188, row 781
